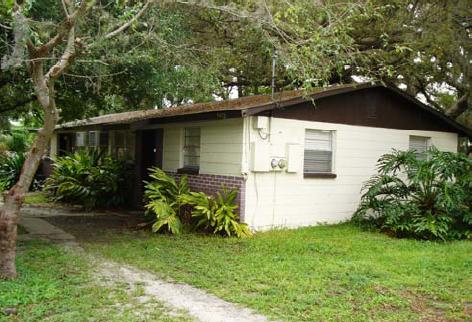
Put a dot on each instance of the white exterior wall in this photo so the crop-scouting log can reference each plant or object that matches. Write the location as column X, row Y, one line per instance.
column 221, row 146
column 287, row 199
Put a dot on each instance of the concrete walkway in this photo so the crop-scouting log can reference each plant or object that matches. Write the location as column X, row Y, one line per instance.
column 197, row 303
column 44, row 212
column 39, row 228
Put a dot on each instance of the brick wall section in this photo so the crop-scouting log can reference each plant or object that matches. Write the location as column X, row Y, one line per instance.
column 211, row 184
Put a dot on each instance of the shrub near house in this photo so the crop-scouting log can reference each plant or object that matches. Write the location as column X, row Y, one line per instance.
column 10, row 169
column 167, row 200
column 13, row 147
column 425, row 196
column 89, row 178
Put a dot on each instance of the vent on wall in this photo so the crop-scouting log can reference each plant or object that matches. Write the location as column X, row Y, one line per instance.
column 372, row 111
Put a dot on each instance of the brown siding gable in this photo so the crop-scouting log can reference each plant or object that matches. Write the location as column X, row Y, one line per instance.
column 374, row 106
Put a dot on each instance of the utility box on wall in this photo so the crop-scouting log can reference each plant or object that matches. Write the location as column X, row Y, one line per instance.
column 294, row 157
column 260, row 160
column 260, row 123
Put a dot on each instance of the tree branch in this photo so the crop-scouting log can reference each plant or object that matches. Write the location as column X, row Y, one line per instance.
column 69, row 52
column 430, row 100
column 462, row 105
column 129, row 22
column 64, row 29
column 64, row 8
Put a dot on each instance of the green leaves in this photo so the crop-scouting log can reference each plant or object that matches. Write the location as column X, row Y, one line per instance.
column 165, row 216
column 427, row 198
column 88, row 178
column 218, row 214
column 165, row 197
column 10, row 169
column 169, row 201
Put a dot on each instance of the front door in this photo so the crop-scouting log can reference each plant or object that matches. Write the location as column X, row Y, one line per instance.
column 149, row 145
column 65, row 143
column 151, row 151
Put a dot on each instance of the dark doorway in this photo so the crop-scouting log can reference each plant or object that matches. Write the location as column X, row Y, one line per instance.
column 151, row 150
column 149, row 144
column 65, row 143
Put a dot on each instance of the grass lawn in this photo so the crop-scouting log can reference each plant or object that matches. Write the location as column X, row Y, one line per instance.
column 37, row 198
column 57, row 285
column 321, row 273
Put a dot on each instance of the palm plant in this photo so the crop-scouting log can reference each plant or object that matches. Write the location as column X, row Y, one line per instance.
column 89, row 178
column 10, row 169
column 218, row 214
column 427, row 198
column 165, row 197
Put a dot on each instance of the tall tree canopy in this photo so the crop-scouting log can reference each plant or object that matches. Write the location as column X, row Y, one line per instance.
column 192, row 50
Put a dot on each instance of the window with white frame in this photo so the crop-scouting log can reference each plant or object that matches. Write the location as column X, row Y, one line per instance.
column 318, row 154
column 93, row 138
column 80, row 139
column 419, row 145
column 192, row 148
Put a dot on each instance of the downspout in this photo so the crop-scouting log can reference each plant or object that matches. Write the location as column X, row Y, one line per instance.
column 274, row 59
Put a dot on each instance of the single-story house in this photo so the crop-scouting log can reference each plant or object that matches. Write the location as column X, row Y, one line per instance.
column 297, row 159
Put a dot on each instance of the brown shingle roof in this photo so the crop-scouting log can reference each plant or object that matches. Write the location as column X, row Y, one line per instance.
column 243, row 103
column 251, row 105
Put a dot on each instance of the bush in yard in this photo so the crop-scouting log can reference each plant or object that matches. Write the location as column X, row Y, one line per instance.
column 17, row 141
column 169, row 200
column 424, row 198
column 217, row 214
column 10, row 169
column 164, row 200
column 13, row 147
column 88, row 178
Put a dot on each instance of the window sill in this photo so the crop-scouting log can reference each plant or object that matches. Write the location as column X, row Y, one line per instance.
column 188, row 171
column 320, row 175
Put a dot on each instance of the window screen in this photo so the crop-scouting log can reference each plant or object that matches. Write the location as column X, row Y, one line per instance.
column 192, row 148
column 80, row 139
column 318, row 156
column 92, row 139
column 419, row 145
column 104, row 137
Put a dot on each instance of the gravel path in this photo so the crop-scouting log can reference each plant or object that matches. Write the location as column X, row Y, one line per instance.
column 197, row 303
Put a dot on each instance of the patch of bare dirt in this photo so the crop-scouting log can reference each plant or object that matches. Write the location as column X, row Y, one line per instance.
column 95, row 228
column 429, row 313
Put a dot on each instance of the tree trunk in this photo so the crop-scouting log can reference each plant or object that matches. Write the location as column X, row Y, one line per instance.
column 9, row 214
column 43, row 84
column 8, row 235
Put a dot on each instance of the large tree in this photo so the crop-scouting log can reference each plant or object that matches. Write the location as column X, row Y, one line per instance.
column 135, row 70
column 48, row 51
